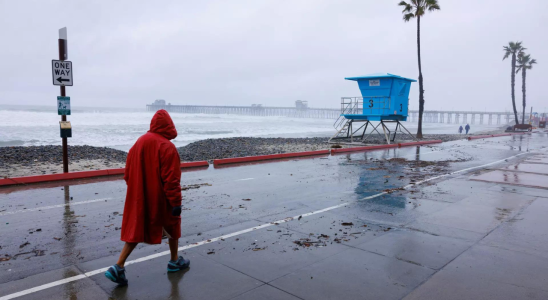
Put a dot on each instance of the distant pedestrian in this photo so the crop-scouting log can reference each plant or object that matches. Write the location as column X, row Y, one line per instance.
column 467, row 127
column 153, row 199
column 460, row 129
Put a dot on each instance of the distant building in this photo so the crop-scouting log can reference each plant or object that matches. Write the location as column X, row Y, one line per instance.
column 300, row 104
column 159, row 102
column 257, row 105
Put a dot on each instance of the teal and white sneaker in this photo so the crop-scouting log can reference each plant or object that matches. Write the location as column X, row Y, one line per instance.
column 117, row 274
column 180, row 264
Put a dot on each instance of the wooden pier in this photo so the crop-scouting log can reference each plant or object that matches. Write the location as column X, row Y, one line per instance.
column 429, row 116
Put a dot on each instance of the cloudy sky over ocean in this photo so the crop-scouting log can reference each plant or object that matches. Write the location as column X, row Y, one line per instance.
column 128, row 53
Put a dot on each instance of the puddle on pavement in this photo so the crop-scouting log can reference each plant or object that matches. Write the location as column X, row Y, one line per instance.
column 514, row 178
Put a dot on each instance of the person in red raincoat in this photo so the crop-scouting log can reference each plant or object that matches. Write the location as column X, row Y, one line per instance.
column 153, row 200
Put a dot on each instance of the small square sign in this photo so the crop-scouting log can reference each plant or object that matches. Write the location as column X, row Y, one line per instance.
column 63, row 105
column 374, row 82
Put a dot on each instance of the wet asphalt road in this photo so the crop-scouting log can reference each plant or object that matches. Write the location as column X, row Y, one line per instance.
column 56, row 231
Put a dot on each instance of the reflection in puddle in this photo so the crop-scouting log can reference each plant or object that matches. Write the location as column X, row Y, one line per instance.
column 68, row 240
column 378, row 177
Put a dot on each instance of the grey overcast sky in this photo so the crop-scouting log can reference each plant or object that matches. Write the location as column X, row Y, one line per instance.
column 273, row 52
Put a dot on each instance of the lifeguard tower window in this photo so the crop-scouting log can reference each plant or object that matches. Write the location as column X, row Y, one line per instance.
column 385, row 98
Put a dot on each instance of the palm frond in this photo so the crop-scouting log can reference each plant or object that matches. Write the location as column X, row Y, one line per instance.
column 417, row 8
column 531, row 63
column 408, row 17
column 419, row 11
column 506, row 53
column 432, row 5
column 517, row 47
column 405, row 6
column 513, row 48
column 522, row 58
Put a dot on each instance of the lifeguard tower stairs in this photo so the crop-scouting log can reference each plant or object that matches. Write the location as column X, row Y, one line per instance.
column 385, row 99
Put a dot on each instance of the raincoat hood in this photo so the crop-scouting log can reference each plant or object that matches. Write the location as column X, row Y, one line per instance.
column 163, row 125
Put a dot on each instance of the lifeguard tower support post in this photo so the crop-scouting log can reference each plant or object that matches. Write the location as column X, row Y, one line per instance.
column 385, row 99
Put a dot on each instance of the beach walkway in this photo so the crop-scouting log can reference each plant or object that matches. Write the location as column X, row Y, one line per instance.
column 457, row 220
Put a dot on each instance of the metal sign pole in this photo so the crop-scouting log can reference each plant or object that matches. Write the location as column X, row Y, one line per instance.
column 62, row 57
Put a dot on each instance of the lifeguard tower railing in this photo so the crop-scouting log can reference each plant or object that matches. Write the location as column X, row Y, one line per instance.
column 360, row 107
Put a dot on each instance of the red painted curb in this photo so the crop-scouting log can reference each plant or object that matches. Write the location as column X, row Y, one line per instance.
column 420, row 143
column 234, row 160
column 494, row 135
column 501, row 134
column 119, row 171
column 80, row 175
column 7, row 181
column 376, row 147
column 194, row 164
column 479, row 137
column 57, row 177
column 342, row 150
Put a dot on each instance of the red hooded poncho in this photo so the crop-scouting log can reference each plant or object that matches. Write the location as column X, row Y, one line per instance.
column 153, row 177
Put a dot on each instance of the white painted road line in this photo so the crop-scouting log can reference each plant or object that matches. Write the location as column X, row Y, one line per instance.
column 53, row 206
column 245, row 179
column 226, row 236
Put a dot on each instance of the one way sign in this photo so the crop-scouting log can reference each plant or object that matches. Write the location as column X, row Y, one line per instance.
column 61, row 72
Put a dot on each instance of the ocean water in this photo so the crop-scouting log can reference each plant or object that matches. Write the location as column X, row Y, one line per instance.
column 120, row 128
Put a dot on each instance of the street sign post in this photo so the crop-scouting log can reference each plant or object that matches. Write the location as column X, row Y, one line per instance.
column 63, row 106
column 62, row 76
column 61, row 72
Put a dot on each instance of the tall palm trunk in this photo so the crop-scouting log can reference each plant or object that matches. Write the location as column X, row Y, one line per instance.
column 421, row 88
column 513, row 89
column 523, row 74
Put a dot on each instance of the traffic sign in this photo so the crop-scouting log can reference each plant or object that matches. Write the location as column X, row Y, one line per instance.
column 63, row 105
column 61, row 72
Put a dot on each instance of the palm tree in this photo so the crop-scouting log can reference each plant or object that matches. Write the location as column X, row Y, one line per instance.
column 513, row 49
column 417, row 9
column 525, row 62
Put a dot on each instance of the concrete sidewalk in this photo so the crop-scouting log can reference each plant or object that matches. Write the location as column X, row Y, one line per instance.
column 319, row 228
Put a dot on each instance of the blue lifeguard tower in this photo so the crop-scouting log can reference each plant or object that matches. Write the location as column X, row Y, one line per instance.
column 385, row 99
